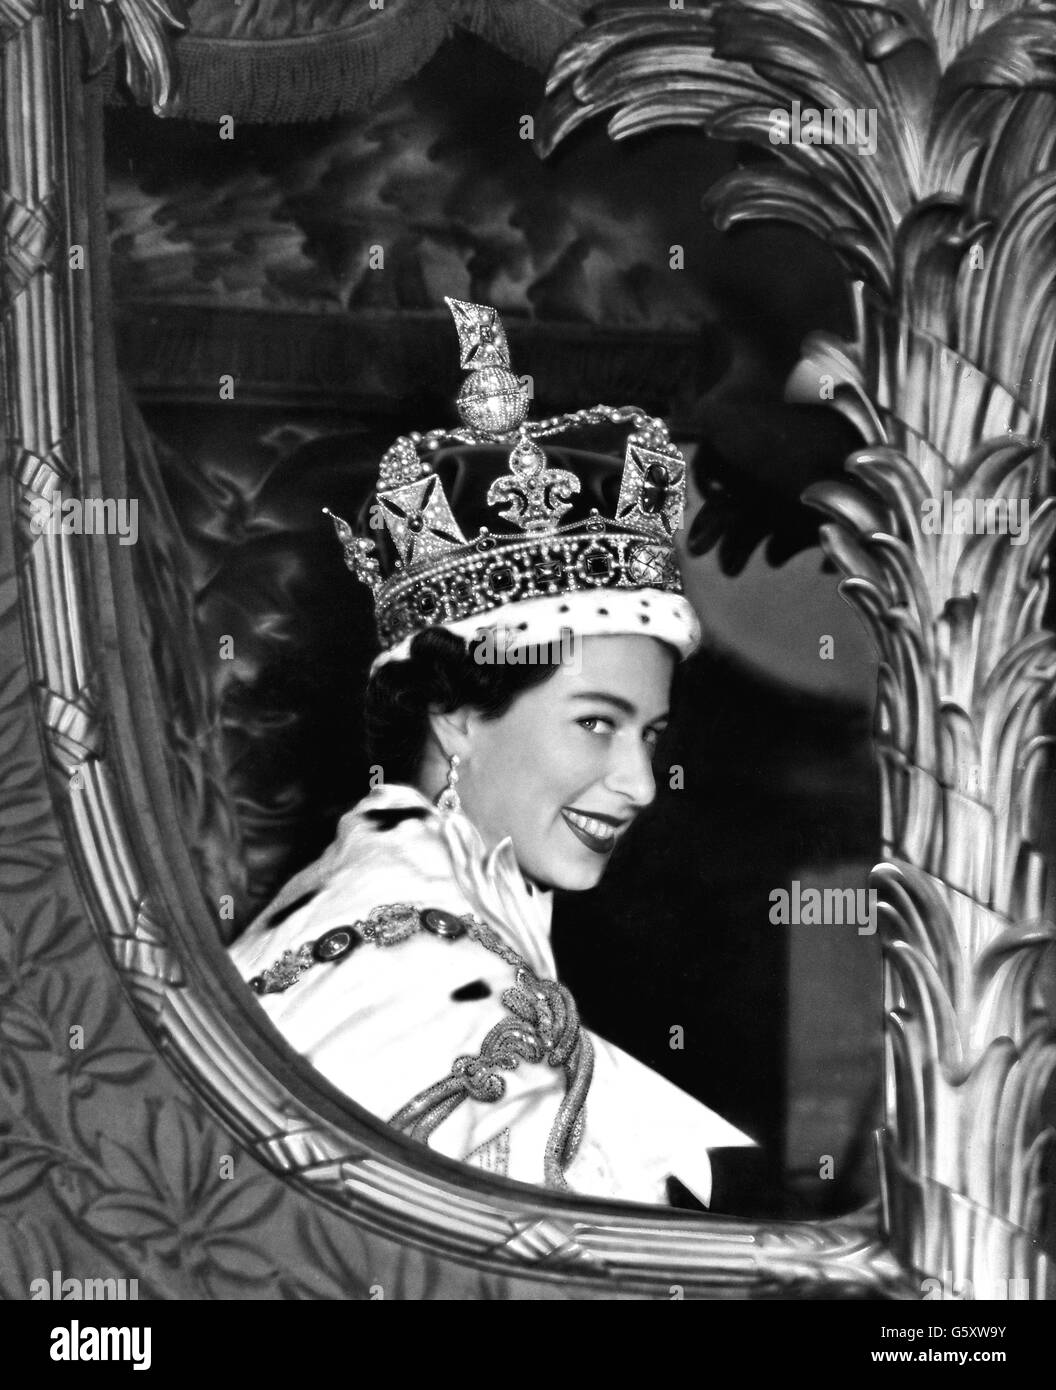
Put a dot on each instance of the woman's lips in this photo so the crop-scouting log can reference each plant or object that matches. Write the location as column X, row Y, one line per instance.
column 600, row 844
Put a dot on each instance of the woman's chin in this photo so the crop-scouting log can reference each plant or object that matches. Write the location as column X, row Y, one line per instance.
column 573, row 877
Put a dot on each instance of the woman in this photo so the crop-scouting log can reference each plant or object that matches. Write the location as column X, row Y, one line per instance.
column 511, row 718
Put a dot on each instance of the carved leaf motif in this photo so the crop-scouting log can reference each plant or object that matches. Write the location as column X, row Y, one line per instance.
column 238, row 1260
column 49, row 933
column 27, row 1252
column 143, row 28
column 957, row 26
column 729, row 68
column 22, row 1171
column 326, row 1270
column 172, row 1151
column 168, row 1188
column 119, row 1064
column 951, row 226
column 125, row 1167
column 20, row 1026
column 243, row 1204
column 125, row 1216
column 533, row 30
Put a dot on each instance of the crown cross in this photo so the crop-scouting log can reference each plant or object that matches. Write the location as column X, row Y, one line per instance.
column 420, row 521
column 537, row 495
column 481, row 336
column 652, row 489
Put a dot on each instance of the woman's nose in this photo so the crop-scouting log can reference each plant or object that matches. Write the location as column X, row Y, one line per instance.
column 631, row 774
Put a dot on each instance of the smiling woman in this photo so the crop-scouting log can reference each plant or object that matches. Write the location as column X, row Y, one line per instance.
column 590, row 773
column 411, row 963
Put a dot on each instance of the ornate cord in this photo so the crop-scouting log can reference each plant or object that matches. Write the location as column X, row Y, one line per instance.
column 543, row 1026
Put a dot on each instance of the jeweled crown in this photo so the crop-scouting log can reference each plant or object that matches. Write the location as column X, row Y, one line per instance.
column 440, row 575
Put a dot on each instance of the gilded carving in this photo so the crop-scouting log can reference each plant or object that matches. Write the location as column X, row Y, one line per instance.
column 943, row 527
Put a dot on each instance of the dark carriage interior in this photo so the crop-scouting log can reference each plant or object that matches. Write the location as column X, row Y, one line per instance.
column 250, row 258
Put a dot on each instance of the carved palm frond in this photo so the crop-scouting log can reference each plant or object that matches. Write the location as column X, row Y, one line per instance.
column 950, row 226
column 954, row 25
column 729, row 67
column 143, row 28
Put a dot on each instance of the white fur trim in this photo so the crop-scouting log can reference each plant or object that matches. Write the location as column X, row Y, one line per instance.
column 588, row 612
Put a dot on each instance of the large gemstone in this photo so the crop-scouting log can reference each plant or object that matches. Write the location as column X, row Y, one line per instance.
column 654, row 489
column 548, row 571
column 597, row 563
column 527, row 456
column 502, row 579
column 426, row 603
column 444, row 924
column 649, row 564
column 335, row 944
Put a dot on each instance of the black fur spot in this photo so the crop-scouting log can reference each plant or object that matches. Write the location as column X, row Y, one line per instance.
column 290, row 909
column 386, row 819
column 477, row 990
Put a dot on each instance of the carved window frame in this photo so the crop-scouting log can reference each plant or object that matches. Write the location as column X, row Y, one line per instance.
column 96, row 710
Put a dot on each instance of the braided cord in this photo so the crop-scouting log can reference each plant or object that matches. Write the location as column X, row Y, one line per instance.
column 543, row 1025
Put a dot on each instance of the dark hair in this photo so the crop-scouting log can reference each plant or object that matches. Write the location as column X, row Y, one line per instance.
column 442, row 670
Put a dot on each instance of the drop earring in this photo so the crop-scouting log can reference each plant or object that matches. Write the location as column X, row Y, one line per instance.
column 449, row 800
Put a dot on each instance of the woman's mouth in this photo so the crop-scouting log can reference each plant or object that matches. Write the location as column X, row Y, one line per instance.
column 596, row 834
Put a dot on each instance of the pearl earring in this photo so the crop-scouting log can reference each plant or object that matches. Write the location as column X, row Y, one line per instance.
column 449, row 800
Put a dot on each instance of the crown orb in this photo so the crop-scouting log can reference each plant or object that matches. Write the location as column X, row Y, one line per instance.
column 493, row 400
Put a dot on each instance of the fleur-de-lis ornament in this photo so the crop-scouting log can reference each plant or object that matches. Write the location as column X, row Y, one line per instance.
column 537, row 495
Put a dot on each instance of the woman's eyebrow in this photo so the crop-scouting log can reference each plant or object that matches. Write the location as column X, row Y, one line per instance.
column 625, row 706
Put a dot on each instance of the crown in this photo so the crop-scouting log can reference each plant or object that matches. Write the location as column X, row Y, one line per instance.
column 432, row 574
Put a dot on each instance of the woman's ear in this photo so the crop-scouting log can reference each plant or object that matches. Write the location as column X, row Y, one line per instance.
column 451, row 730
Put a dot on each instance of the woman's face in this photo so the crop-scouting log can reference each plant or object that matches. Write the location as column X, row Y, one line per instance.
column 568, row 767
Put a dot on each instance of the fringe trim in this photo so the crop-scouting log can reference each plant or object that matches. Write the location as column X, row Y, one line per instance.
column 316, row 76
column 312, row 78
column 535, row 43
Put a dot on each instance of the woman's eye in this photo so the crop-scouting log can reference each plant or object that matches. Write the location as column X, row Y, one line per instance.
column 594, row 719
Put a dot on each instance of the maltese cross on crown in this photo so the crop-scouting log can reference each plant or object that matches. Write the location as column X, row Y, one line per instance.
column 420, row 520
column 481, row 336
column 653, row 488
